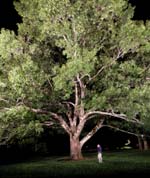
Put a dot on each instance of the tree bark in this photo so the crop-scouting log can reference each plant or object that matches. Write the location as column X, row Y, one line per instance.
column 145, row 144
column 75, row 148
column 140, row 145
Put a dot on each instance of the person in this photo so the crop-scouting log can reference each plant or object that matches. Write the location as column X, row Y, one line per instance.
column 99, row 151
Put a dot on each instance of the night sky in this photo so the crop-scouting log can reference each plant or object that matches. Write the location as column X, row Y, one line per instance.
column 9, row 17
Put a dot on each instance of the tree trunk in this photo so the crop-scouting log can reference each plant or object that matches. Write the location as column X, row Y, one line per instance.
column 140, row 144
column 145, row 144
column 75, row 148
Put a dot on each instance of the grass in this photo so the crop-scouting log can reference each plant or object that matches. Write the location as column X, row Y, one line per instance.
column 121, row 163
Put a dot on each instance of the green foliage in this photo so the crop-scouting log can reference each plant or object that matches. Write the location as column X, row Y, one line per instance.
column 25, row 82
column 60, row 40
column 18, row 123
column 9, row 45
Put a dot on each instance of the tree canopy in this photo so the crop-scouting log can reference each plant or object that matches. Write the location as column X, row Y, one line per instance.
column 72, row 62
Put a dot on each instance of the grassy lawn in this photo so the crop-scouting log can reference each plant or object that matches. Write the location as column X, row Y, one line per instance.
column 121, row 163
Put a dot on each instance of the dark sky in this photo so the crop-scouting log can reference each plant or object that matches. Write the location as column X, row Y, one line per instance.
column 9, row 17
column 142, row 10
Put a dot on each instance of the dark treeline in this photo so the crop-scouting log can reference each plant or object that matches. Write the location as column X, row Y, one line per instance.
column 49, row 144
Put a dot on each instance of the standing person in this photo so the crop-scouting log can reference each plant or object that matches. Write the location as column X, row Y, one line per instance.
column 99, row 156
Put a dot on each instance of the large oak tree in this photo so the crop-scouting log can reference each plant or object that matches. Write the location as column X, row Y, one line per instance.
column 73, row 62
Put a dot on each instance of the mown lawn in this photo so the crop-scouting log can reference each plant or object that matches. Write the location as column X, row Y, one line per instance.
column 116, row 164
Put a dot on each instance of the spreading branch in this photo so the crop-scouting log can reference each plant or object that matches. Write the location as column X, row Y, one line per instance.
column 115, row 58
column 54, row 116
column 69, row 103
column 121, row 130
column 4, row 100
column 92, row 132
column 120, row 116
column 69, row 112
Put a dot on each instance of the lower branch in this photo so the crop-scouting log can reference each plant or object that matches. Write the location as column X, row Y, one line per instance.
column 4, row 100
column 121, row 130
column 112, row 114
column 92, row 132
column 54, row 116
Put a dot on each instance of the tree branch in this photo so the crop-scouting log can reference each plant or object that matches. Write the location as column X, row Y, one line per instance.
column 82, row 87
column 92, row 132
column 39, row 111
column 82, row 95
column 76, row 94
column 119, row 54
column 79, row 128
column 121, row 130
column 101, row 69
column 55, row 116
column 4, row 100
column 3, row 109
column 47, row 123
column 70, row 103
column 69, row 112
column 120, row 116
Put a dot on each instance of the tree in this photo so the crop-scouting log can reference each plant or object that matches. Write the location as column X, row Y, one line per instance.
column 77, row 62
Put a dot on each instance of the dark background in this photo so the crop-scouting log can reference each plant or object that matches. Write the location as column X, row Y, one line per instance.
column 9, row 17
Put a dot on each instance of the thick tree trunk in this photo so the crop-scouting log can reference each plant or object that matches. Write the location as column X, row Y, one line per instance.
column 75, row 149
